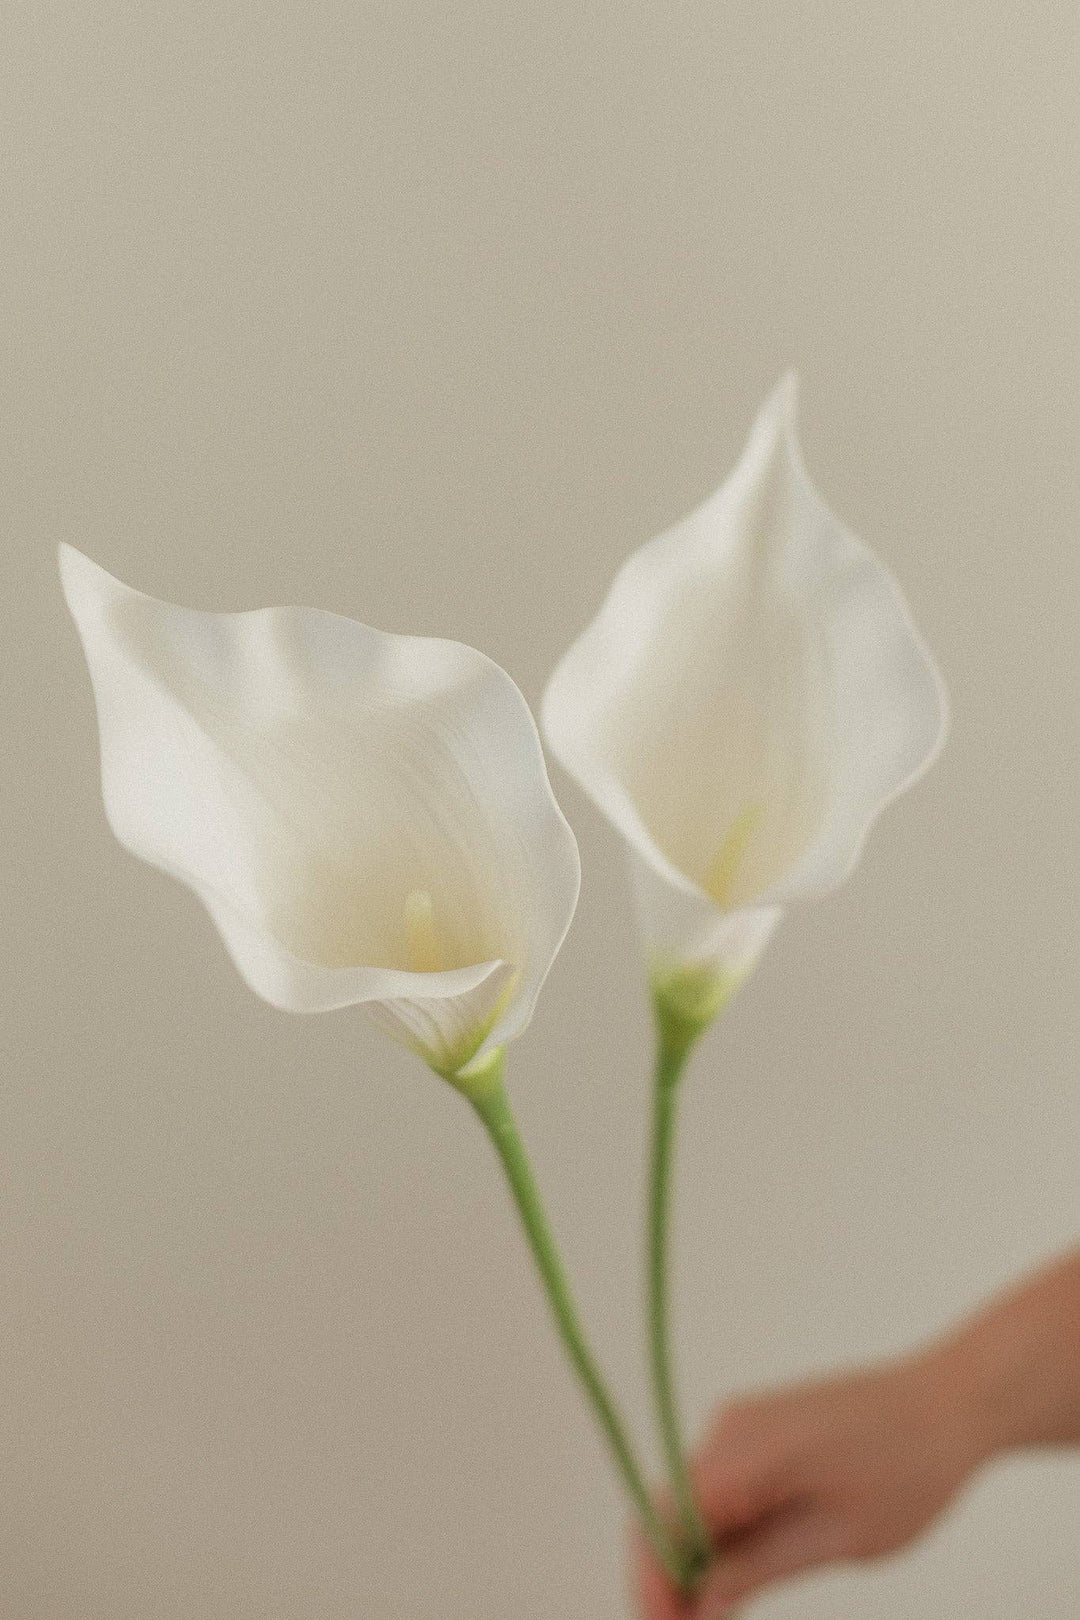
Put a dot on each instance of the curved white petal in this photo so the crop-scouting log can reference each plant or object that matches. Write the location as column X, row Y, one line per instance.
column 683, row 927
column 367, row 817
column 751, row 694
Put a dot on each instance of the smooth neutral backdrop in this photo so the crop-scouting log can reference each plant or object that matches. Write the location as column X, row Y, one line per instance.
column 429, row 314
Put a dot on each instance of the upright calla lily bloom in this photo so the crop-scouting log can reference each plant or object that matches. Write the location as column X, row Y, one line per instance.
column 749, row 697
column 366, row 817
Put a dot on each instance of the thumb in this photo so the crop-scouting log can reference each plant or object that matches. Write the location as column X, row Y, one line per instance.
column 736, row 1498
column 784, row 1548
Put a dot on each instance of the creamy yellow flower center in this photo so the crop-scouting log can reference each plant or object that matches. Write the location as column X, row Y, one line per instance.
column 422, row 941
column 721, row 877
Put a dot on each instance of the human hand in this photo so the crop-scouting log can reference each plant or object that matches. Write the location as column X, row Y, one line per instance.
column 836, row 1471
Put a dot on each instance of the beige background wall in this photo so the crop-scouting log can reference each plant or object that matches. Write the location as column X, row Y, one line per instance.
column 428, row 314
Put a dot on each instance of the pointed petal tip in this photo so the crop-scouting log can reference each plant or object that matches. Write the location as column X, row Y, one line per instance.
column 71, row 560
column 82, row 579
column 70, row 563
column 782, row 405
column 76, row 576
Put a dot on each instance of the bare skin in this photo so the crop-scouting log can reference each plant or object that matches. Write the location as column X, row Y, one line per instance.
column 852, row 1468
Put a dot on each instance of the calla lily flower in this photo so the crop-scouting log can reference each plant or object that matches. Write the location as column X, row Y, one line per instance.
column 366, row 817
column 750, row 696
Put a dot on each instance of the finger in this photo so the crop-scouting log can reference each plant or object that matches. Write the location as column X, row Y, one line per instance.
column 656, row 1597
column 789, row 1546
column 736, row 1495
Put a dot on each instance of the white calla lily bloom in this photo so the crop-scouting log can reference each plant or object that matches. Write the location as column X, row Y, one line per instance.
column 750, row 696
column 366, row 817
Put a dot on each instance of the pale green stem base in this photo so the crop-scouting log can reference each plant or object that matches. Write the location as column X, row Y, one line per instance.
column 491, row 1103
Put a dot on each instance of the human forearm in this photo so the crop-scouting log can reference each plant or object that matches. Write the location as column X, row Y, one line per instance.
column 1015, row 1366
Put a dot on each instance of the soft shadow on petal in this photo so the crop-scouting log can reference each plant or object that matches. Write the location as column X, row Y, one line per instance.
column 686, row 927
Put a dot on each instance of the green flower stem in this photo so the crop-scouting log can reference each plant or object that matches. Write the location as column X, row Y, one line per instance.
column 685, row 1002
column 488, row 1097
column 670, row 1061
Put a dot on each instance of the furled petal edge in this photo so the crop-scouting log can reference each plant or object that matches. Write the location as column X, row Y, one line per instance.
column 450, row 1017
